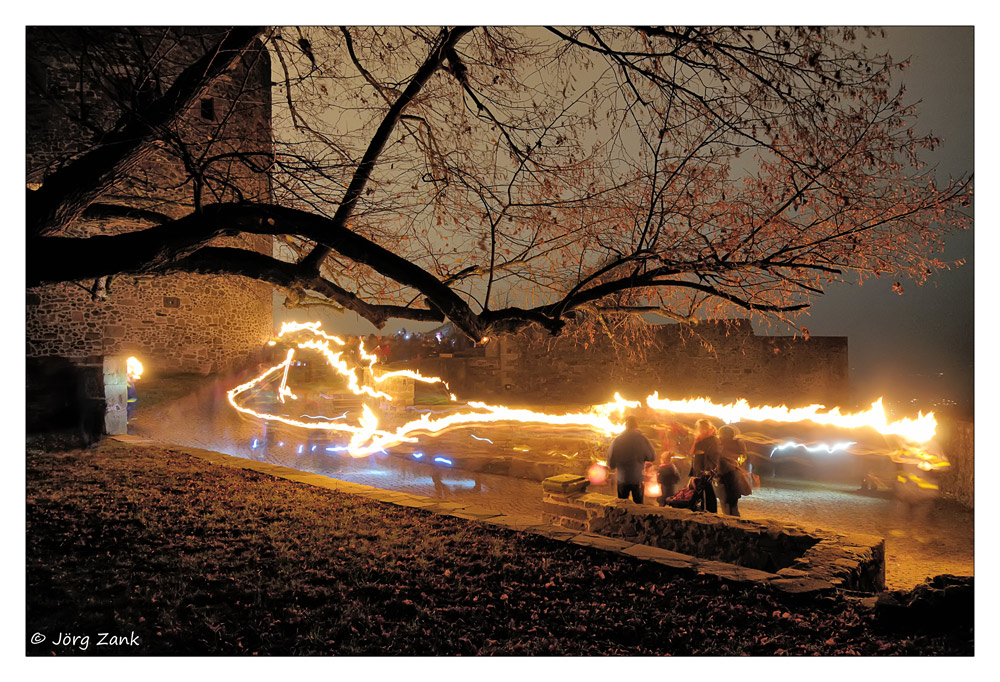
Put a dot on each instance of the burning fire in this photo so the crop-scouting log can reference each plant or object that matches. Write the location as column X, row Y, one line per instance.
column 919, row 430
column 366, row 437
column 133, row 368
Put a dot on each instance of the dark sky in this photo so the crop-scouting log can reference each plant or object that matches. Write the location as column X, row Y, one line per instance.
column 918, row 345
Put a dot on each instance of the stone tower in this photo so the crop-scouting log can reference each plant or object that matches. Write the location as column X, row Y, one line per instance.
column 80, row 81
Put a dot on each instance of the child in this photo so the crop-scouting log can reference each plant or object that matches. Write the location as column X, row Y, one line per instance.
column 668, row 477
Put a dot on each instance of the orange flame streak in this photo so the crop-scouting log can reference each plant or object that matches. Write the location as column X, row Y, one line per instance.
column 919, row 430
column 232, row 394
column 341, row 367
column 365, row 355
column 366, row 438
column 314, row 327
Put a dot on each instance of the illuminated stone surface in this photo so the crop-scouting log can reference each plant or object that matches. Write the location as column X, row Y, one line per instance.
column 818, row 559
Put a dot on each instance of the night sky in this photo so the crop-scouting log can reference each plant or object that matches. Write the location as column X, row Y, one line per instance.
column 918, row 345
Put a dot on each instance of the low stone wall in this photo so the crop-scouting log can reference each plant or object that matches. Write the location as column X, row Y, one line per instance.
column 854, row 562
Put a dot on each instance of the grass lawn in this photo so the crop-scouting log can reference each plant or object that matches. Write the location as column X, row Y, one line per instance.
column 196, row 558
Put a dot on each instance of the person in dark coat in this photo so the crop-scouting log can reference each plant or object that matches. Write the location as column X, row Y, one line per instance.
column 705, row 462
column 668, row 477
column 628, row 455
column 732, row 453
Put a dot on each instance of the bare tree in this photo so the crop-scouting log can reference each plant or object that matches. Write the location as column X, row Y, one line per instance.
column 506, row 177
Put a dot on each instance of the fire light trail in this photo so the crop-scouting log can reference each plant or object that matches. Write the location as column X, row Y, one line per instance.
column 284, row 377
column 919, row 430
column 314, row 327
column 340, row 365
column 366, row 437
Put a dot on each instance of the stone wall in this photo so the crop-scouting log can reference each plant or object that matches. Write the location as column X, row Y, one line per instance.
column 81, row 79
column 726, row 362
column 854, row 562
column 173, row 323
column 957, row 440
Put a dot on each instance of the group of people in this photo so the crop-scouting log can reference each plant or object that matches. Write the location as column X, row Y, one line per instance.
column 716, row 459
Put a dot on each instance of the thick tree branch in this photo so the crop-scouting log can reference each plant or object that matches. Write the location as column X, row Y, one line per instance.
column 447, row 41
column 65, row 194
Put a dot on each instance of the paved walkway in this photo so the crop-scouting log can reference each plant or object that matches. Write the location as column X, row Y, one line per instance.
column 921, row 543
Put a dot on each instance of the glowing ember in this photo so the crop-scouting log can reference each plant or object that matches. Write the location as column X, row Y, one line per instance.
column 133, row 368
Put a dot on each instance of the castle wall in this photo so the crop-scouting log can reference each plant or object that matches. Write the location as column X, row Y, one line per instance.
column 727, row 362
column 179, row 322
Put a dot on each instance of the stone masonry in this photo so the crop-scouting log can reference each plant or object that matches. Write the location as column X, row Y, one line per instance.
column 178, row 322
column 958, row 443
column 738, row 364
column 784, row 551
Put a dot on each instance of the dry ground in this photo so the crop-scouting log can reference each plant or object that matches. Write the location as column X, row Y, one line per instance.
column 204, row 559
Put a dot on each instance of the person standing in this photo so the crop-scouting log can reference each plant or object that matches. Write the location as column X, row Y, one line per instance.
column 705, row 463
column 668, row 477
column 732, row 453
column 628, row 455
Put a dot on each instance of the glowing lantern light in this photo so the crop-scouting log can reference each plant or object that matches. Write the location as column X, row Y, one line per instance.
column 597, row 474
column 652, row 489
column 133, row 368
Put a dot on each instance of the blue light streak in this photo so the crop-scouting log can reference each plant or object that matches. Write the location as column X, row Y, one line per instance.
column 443, row 460
column 821, row 447
column 417, row 455
column 320, row 416
column 336, row 448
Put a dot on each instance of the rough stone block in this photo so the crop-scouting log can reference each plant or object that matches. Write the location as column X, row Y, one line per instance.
column 565, row 511
column 803, row 586
column 600, row 542
column 553, row 532
column 655, row 553
column 565, row 484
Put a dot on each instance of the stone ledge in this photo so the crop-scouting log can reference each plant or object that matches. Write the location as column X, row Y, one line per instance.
column 732, row 548
column 565, row 484
column 600, row 542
